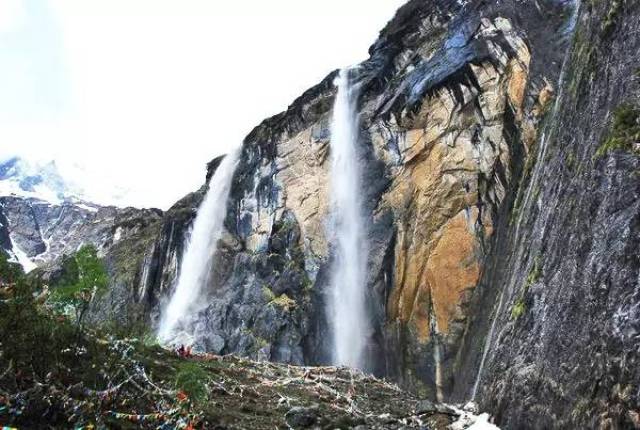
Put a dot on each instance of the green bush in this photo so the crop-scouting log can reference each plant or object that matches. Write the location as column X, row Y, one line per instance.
column 33, row 341
column 519, row 307
column 285, row 302
column 192, row 379
column 83, row 279
column 9, row 272
column 54, row 375
column 534, row 274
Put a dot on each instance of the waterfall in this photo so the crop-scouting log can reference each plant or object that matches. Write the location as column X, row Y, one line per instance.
column 197, row 262
column 347, row 311
column 437, row 356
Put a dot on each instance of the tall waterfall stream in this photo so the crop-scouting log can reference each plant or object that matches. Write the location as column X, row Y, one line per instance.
column 176, row 325
column 347, row 308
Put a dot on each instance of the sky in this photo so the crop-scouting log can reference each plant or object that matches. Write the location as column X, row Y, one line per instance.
column 140, row 94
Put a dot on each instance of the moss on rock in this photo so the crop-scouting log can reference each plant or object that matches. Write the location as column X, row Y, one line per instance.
column 625, row 131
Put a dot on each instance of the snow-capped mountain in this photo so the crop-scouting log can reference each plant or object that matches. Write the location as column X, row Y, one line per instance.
column 49, row 182
column 21, row 178
column 45, row 213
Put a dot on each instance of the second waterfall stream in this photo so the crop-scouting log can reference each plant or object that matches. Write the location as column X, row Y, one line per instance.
column 176, row 326
column 347, row 305
column 347, row 310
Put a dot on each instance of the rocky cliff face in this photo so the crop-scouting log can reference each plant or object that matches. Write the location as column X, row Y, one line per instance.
column 499, row 144
column 562, row 287
column 39, row 234
column 451, row 104
column 44, row 231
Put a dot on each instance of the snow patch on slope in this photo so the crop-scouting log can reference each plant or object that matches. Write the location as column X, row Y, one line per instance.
column 468, row 420
column 56, row 183
column 20, row 257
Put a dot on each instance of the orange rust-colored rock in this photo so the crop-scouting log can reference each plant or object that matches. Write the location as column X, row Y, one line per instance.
column 448, row 146
column 517, row 86
column 452, row 269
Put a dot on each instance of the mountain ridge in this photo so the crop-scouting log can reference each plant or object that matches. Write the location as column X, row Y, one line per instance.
column 46, row 180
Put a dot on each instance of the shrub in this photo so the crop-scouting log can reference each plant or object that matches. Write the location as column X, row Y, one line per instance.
column 192, row 379
column 9, row 272
column 33, row 342
column 534, row 274
column 625, row 130
column 519, row 307
column 285, row 302
column 268, row 293
column 84, row 278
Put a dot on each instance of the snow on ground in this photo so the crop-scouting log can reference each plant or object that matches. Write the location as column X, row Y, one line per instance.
column 469, row 421
column 117, row 235
column 21, row 258
column 87, row 207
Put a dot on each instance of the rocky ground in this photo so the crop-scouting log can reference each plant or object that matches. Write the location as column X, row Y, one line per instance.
column 251, row 394
column 151, row 387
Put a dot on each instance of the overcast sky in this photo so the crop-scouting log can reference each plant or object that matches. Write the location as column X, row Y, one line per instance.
column 142, row 93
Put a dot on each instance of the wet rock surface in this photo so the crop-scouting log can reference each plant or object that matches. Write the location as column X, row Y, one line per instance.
column 563, row 289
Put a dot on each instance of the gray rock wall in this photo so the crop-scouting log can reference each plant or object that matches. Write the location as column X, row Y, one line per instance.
column 452, row 100
column 564, row 353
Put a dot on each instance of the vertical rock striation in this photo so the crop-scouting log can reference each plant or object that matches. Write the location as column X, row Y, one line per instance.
column 564, row 353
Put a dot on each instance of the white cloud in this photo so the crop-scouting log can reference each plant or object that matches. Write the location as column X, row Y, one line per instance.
column 156, row 88
column 11, row 15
